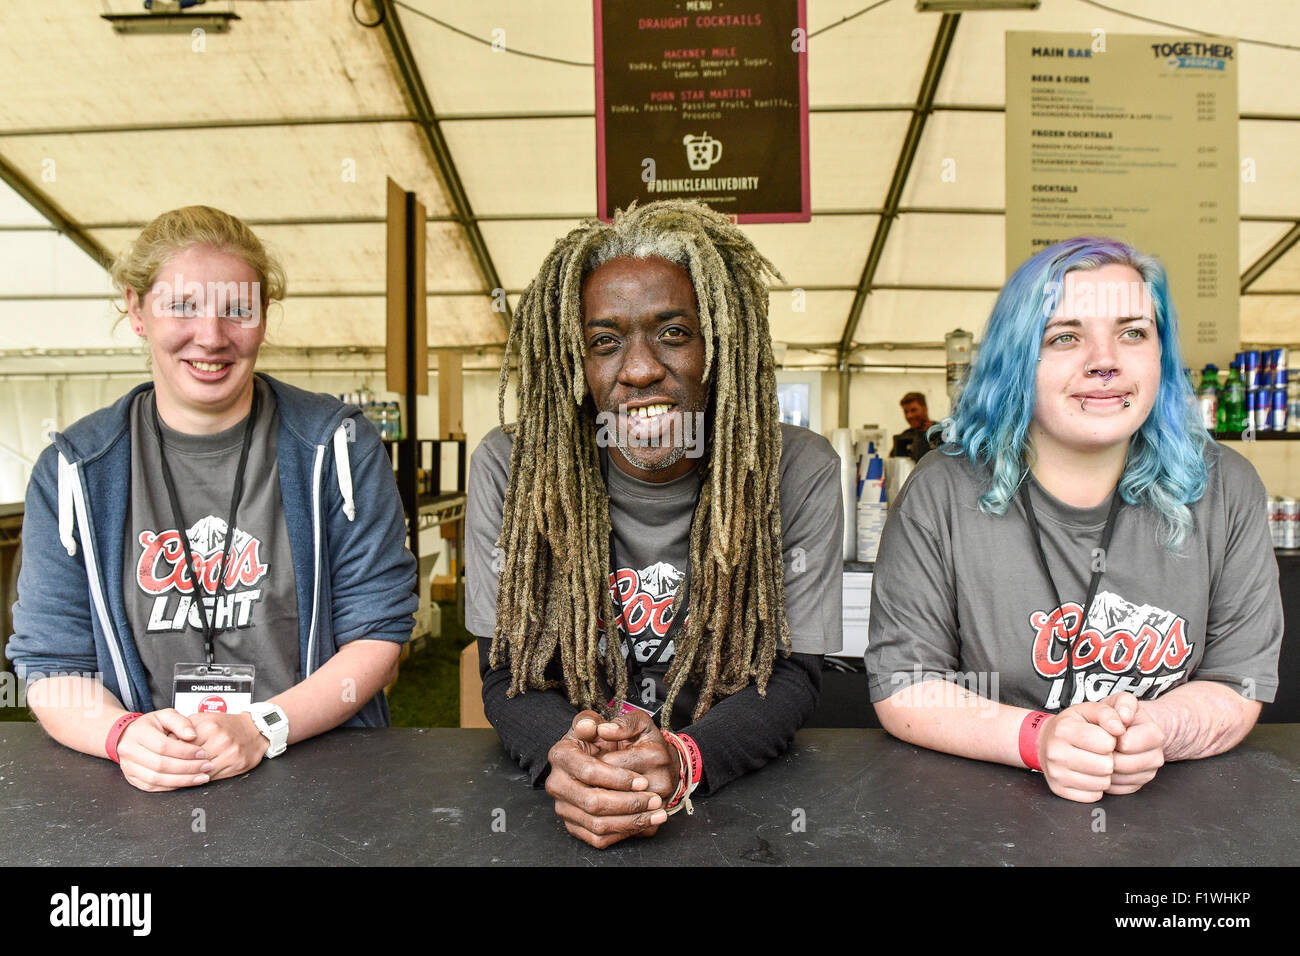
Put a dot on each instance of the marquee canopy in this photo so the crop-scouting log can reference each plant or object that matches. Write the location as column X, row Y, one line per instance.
column 294, row 119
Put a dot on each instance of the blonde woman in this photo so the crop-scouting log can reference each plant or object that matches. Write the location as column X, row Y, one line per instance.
column 279, row 503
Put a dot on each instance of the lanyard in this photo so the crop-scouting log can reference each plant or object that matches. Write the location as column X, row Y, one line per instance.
column 209, row 632
column 1106, row 533
column 684, row 587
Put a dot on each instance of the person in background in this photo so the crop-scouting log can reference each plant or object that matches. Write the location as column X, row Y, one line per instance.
column 649, row 485
column 276, row 508
column 915, row 441
column 1082, row 582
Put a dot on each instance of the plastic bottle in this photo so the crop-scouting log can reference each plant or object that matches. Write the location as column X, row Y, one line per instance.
column 395, row 420
column 1208, row 397
column 1232, row 407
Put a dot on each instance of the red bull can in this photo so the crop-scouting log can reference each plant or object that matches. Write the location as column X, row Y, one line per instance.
column 1250, row 368
column 1290, row 522
column 1256, row 411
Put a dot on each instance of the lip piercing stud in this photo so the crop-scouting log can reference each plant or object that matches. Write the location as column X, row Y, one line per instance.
column 1126, row 403
column 1082, row 407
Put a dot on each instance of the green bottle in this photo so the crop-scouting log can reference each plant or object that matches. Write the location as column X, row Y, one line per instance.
column 1232, row 403
column 1207, row 397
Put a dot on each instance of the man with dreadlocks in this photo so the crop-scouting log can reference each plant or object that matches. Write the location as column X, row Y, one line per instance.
column 649, row 483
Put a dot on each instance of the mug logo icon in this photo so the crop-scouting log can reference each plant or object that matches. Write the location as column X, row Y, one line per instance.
column 702, row 151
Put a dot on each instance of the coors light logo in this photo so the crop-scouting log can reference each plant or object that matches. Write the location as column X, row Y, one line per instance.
column 646, row 599
column 164, row 573
column 1137, row 648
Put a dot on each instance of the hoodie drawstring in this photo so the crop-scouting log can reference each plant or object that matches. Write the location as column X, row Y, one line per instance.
column 66, row 512
column 344, row 468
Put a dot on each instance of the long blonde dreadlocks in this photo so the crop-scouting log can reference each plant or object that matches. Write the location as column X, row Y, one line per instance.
column 554, row 574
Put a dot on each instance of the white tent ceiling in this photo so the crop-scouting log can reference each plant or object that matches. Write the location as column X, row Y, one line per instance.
column 99, row 132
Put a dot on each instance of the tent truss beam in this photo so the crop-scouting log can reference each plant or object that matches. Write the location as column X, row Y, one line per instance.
column 507, row 116
column 58, row 219
column 893, row 199
column 1264, row 262
column 409, row 72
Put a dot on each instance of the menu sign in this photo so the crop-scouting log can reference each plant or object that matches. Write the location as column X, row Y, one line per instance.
column 1133, row 137
column 704, row 100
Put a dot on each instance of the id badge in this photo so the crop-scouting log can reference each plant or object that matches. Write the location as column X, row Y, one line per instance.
column 212, row 688
column 628, row 707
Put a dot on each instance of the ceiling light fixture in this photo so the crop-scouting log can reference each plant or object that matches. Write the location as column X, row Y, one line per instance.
column 169, row 16
column 974, row 6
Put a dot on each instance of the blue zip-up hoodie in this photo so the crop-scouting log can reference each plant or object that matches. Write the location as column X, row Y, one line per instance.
column 355, row 576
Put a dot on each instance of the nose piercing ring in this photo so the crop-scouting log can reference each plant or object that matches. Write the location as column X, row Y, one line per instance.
column 1106, row 376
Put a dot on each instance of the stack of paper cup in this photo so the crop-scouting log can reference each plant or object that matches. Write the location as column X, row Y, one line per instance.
column 871, row 510
column 842, row 442
column 896, row 472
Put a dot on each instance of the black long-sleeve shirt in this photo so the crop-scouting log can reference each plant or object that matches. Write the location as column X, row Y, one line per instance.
column 739, row 734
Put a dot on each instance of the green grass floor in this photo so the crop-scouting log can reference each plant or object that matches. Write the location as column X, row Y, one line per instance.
column 427, row 692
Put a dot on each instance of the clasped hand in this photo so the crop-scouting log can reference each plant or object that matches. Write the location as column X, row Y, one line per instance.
column 1097, row 747
column 164, row 750
column 611, row 779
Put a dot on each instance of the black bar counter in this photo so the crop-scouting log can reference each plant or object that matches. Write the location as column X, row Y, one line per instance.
column 453, row 797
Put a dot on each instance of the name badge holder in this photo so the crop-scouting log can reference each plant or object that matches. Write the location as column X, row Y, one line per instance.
column 212, row 688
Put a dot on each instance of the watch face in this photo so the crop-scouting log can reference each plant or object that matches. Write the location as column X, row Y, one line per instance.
column 271, row 718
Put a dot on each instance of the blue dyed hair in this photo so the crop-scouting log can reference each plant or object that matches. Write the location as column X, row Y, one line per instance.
column 1166, row 468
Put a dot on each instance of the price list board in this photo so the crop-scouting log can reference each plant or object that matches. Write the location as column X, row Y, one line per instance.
column 703, row 100
column 1132, row 137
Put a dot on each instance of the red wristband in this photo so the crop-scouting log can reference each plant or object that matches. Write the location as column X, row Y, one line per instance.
column 1029, row 729
column 115, row 734
column 697, row 762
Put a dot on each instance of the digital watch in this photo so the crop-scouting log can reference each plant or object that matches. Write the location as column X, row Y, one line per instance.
column 274, row 725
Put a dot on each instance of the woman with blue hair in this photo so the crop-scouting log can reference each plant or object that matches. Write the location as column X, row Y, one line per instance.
column 1083, row 582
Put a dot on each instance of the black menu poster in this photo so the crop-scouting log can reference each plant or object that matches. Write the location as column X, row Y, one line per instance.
column 703, row 100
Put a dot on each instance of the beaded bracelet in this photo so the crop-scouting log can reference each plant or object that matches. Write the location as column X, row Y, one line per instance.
column 690, row 770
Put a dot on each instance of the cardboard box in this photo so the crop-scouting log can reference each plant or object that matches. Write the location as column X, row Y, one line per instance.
column 443, row 588
column 471, row 689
